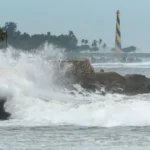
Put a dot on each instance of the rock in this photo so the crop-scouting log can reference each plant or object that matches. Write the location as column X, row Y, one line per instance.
column 81, row 72
column 74, row 71
column 137, row 84
column 3, row 114
column 128, row 84
column 112, row 81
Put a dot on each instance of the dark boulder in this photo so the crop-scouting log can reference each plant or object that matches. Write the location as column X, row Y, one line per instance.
column 137, row 84
column 3, row 114
column 81, row 72
column 112, row 81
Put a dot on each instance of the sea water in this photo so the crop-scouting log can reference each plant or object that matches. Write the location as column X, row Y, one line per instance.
column 46, row 117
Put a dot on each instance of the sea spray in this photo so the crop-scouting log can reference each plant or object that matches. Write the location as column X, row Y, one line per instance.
column 34, row 100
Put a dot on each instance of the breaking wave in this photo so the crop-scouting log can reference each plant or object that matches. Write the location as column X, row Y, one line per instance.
column 34, row 100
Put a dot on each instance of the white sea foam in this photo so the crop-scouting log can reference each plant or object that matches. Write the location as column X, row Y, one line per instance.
column 26, row 79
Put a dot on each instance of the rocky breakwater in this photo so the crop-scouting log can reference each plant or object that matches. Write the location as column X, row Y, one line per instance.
column 81, row 72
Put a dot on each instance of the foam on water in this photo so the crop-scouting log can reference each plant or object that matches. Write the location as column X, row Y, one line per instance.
column 34, row 100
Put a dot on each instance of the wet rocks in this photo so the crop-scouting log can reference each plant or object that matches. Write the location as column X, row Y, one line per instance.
column 112, row 81
column 74, row 71
column 137, row 84
column 81, row 72
column 3, row 114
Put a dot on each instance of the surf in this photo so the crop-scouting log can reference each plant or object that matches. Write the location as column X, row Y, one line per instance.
column 26, row 79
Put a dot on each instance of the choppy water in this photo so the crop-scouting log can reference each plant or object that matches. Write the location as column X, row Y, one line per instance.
column 75, row 138
column 45, row 116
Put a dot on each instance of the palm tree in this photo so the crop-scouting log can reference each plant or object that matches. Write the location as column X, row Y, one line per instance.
column 82, row 41
column 71, row 34
column 48, row 34
column 3, row 35
column 104, row 46
column 94, row 44
column 11, row 28
column 100, row 42
column 86, row 42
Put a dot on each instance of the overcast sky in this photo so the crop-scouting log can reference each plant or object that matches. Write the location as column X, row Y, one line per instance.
column 91, row 19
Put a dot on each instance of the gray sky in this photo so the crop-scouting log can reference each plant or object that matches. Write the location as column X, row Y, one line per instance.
column 91, row 19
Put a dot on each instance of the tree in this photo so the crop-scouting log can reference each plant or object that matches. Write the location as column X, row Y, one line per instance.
column 100, row 42
column 86, row 42
column 104, row 46
column 25, row 36
column 48, row 34
column 71, row 34
column 94, row 44
column 17, row 34
column 11, row 28
column 24, row 41
column 82, row 41
column 3, row 35
column 72, row 43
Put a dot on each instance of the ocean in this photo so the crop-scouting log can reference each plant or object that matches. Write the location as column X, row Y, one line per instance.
column 47, row 117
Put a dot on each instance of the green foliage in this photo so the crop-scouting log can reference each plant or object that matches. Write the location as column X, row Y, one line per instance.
column 3, row 35
column 19, row 40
